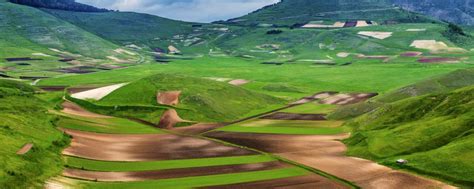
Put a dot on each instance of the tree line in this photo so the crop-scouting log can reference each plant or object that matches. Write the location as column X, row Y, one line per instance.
column 68, row 5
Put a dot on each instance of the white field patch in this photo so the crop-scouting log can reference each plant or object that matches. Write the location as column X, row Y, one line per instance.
column 362, row 23
column 118, row 60
column 435, row 46
column 239, row 82
column 319, row 24
column 99, row 93
column 416, row 30
column 377, row 35
column 123, row 51
column 219, row 79
column 343, row 54
column 173, row 50
column 40, row 54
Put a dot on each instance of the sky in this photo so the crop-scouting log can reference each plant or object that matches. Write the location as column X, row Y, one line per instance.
column 186, row 10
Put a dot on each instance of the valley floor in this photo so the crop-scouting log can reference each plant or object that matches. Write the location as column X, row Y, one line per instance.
column 222, row 155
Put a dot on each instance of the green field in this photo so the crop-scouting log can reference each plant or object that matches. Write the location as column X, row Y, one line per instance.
column 202, row 181
column 163, row 165
column 111, row 125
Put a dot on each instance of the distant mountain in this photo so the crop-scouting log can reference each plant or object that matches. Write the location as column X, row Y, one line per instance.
column 289, row 12
column 69, row 5
column 456, row 11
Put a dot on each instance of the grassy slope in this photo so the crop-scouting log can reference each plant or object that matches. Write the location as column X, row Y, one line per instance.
column 208, row 100
column 33, row 25
column 126, row 27
column 319, row 43
column 24, row 119
column 444, row 83
column 300, row 11
column 419, row 129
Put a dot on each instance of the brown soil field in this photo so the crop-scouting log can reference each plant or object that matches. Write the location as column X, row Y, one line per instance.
column 25, row 149
column 301, row 182
column 345, row 99
column 197, row 129
column 114, row 147
column 169, row 119
column 317, row 96
column 168, row 98
column 327, row 153
column 74, row 109
column 291, row 116
column 171, row 173
column 438, row 60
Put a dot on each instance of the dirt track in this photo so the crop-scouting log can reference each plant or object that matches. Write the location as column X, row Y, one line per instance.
column 327, row 153
column 113, row 147
column 172, row 173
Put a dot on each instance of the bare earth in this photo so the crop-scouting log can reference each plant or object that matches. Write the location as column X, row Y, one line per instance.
column 74, row 109
column 327, row 153
column 168, row 98
column 239, row 82
column 25, row 149
column 114, row 147
column 301, row 182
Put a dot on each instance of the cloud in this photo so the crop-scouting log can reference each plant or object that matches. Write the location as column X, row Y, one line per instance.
column 187, row 10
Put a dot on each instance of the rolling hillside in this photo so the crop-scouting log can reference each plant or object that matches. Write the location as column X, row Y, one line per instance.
column 201, row 99
column 456, row 11
column 127, row 28
column 433, row 132
column 39, row 30
column 24, row 120
column 289, row 12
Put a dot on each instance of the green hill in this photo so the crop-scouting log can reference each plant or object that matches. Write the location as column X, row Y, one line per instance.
column 440, row 84
column 289, row 12
column 457, row 11
column 24, row 26
column 201, row 99
column 433, row 132
column 127, row 27
column 24, row 119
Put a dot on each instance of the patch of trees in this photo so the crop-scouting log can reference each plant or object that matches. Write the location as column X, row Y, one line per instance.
column 274, row 32
column 457, row 35
column 68, row 5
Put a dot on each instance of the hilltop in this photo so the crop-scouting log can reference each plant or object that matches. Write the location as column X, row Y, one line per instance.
column 290, row 12
column 456, row 11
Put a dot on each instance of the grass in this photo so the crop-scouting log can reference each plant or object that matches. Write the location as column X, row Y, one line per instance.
column 377, row 77
column 439, row 84
column 203, row 181
column 421, row 129
column 163, row 165
column 301, row 11
column 106, row 125
column 201, row 99
column 24, row 119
